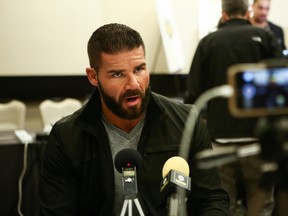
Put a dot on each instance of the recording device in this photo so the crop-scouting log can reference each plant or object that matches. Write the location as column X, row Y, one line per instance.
column 175, row 175
column 259, row 89
column 127, row 161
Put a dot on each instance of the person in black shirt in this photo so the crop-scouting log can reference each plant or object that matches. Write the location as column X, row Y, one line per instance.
column 78, row 176
column 260, row 11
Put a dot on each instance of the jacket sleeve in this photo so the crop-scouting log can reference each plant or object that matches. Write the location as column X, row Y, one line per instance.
column 278, row 32
column 57, row 185
column 275, row 50
column 207, row 192
column 282, row 42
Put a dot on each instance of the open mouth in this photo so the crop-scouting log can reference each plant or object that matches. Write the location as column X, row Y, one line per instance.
column 132, row 100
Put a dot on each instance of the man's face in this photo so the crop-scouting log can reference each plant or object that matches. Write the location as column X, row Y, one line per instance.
column 261, row 10
column 123, row 82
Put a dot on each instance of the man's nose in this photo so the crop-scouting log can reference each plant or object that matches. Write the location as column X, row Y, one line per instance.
column 132, row 82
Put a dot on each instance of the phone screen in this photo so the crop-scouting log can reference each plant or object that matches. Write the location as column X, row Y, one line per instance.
column 258, row 90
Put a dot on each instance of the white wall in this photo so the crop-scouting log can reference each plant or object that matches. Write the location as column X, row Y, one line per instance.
column 50, row 37
column 40, row 37
column 46, row 37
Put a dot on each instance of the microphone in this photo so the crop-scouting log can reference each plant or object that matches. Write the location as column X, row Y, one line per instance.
column 126, row 162
column 175, row 175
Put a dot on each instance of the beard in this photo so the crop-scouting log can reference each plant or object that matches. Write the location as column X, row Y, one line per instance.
column 261, row 18
column 116, row 107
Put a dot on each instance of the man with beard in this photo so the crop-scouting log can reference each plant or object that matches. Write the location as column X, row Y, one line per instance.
column 260, row 11
column 78, row 176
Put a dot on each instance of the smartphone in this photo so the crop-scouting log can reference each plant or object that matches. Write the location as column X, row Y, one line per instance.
column 259, row 90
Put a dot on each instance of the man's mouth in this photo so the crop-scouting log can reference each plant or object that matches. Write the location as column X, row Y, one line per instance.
column 133, row 100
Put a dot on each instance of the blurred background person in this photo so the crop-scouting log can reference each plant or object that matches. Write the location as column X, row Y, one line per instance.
column 260, row 11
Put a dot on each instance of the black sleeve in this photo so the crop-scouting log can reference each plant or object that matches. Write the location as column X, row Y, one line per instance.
column 57, row 186
column 275, row 50
column 278, row 32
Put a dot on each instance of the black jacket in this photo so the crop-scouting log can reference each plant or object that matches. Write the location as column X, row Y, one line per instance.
column 77, row 176
column 237, row 41
column 278, row 32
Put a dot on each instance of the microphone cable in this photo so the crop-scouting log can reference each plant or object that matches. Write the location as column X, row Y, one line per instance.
column 20, row 181
column 25, row 138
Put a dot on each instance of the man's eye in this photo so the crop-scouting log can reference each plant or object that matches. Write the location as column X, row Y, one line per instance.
column 138, row 69
column 118, row 74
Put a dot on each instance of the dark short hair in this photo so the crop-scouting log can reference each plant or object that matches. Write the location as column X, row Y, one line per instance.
column 235, row 7
column 254, row 1
column 111, row 39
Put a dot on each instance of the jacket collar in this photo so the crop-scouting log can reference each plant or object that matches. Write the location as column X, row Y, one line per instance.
column 234, row 22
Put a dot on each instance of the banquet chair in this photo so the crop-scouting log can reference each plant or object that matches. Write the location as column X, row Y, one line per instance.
column 51, row 110
column 12, row 115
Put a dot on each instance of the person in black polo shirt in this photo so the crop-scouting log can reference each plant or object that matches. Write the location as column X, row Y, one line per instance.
column 260, row 11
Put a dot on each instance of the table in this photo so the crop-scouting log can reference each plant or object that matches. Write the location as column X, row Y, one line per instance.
column 11, row 165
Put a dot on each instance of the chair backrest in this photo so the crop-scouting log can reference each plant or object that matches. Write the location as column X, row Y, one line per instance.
column 51, row 111
column 12, row 115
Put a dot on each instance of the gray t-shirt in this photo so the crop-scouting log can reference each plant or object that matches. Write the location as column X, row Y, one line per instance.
column 119, row 140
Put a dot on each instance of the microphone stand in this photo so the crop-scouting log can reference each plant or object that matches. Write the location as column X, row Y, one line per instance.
column 173, row 182
column 130, row 191
column 176, row 205
column 274, row 150
column 173, row 205
column 128, row 204
column 220, row 91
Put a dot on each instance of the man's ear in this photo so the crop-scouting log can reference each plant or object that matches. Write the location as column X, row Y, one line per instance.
column 92, row 76
column 225, row 16
column 248, row 15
